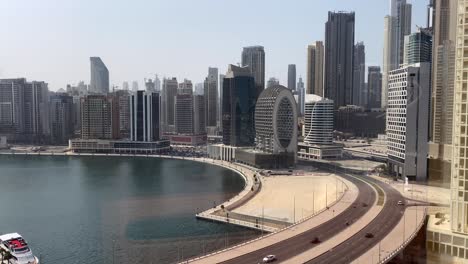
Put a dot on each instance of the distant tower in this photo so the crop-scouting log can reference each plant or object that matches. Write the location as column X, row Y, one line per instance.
column 211, row 97
column 254, row 58
column 292, row 77
column 134, row 86
column 339, row 50
column 359, row 78
column 99, row 77
column 315, row 60
column 374, row 87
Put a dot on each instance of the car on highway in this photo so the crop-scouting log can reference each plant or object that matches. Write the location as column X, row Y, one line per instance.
column 369, row 235
column 401, row 203
column 269, row 259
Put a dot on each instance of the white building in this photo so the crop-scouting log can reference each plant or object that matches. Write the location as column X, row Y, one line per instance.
column 318, row 131
column 408, row 120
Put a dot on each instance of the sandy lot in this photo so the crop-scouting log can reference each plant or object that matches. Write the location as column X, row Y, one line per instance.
column 281, row 194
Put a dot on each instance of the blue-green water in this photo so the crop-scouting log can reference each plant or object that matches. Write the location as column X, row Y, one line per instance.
column 115, row 209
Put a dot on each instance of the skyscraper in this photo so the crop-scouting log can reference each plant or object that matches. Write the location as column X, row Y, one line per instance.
column 301, row 95
column 61, row 119
column 239, row 98
column 292, row 77
column 459, row 192
column 134, row 86
column 36, row 111
column 339, row 55
column 374, row 87
column 122, row 98
column 144, row 116
column 443, row 81
column 272, row 82
column 169, row 91
column 408, row 121
column 390, row 54
column 150, row 85
column 211, row 97
column 99, row 77
column 315, row 60
column 402, row 11
column 359, row 78
column 184, row 113
column 199, row 109
column 157, row 84
column 254, row 58
column 185, row 87
column 418, row 47
column 397, row 25
column 98, row 117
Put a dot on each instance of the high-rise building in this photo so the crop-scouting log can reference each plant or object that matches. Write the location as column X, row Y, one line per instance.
column 135, row 86
column 402, row 11
column 443, row 81
column 318, row 120
column 125, row 86
column 374, row 87
column 36, row 111
column 396, row 26
column 239, row 98
column 359, row 78
column 459, row 192
column 272, row 82
column 184, row 113
column 11, row 107
column 339, row 54
column 199, row 113
column 418, row 47
column 123, row 100
column 390, row 54
column 220, row 111
column 150, row 85
column 292, row 77
column 168, row 93
column 185, row 87
column 254, row 58
column 99, row 77
column 408, row 120
column 157, row 84
column 315, row 64
column 61, row 118
column 301, row 95
column 211, row 97
column 99, row 117
column 144, row 116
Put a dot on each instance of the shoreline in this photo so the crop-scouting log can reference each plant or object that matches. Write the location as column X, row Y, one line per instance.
column 237, row 168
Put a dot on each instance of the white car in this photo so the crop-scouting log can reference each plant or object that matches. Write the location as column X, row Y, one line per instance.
column 269, row 258
column 401, row 203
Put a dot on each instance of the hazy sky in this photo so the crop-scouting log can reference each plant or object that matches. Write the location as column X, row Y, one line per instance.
column 52, row 40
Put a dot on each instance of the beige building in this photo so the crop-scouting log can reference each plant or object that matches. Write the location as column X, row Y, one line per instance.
column 443, row 81
column 315, row 61
column 452, row 238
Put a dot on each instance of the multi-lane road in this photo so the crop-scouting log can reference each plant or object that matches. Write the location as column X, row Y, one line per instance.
column 351, row 248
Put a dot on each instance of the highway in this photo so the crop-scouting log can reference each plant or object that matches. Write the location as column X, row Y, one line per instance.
column 379, row 227
column 295, row 245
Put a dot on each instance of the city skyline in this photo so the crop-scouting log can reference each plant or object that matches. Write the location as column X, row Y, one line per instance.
column 133, row 54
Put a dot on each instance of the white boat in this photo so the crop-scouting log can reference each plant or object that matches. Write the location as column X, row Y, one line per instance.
column 18, row 248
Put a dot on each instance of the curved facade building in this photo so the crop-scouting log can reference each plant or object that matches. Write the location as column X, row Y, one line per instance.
column 99, row 77
column 318, row 119
column 276, row 121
